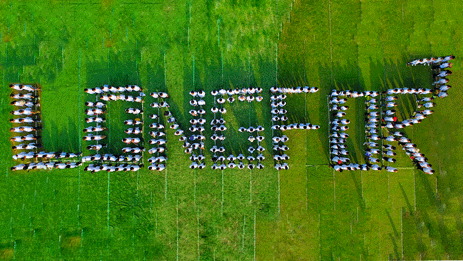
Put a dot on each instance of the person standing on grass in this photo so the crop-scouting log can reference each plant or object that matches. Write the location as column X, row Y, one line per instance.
column 391, row 169
column 415, row 62
column 425, row 61
column 441, row 81
column 426, row 99
column 336, row 167
column 443, row 73
column 340, row 114
column 429, row 171
column 444, row 88
column 443, row 66
column 375, row 167
column 448, row 58
column 370, row 144
column 392, row 160
column 428, row 105
column 372, row 114
column 442, row 94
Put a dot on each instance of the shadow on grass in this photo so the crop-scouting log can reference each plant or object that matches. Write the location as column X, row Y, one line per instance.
column 358, row 188
column 396, row 251
column 459, row 225
column 19, row 56
column 438, row 229
column 13, row 62
column 16, row 57
column 396, row 233
column 63, row 138
column 432, row 196
column 444, row 234
column 348, row 77
column 407, row 201
column 237, row 74
column 120, row 69
column 383, row 75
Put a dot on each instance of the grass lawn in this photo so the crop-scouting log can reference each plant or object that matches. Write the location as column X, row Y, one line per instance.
column 306, row 213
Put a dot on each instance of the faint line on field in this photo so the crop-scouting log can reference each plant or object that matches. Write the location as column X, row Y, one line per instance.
column 254, row 234
column 334, row 190
column 177, row 230
column 199, row 253
column 276, row 65
column 331, row 42
column 109, row 182
column 222, row 193
column 80, row 139
column 278, row 191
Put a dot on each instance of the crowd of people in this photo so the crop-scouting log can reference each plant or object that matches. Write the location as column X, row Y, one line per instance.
column 279, row 119
column 278, row 96
column 97, row 131
column 380, row 117
column 112, row 168
column 112, row 89
column 26, row 99
column 27, row 106
column 221, row 162
column 339, row 155
column 434, row 62
column 423, row 104
column 158, row 151
column 46, row 165
column 96, row 111
column 379, row 151
column 380, row 114
column 244, row 94
column 194, row 142
column 112, row 158
column 373, row 118
column 292, row 90
column 219, row 158
column 440, row 72
column 111, row 93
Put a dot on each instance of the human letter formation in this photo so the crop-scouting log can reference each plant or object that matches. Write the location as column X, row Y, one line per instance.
column 26, row 100
column 382, row 127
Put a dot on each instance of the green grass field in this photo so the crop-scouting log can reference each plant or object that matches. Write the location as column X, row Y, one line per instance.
column 306, row 213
